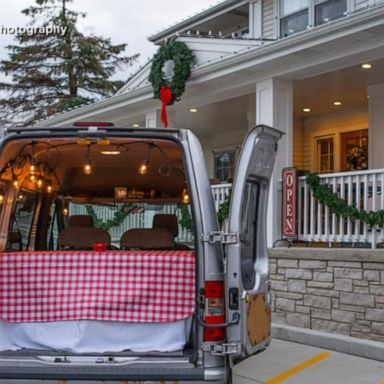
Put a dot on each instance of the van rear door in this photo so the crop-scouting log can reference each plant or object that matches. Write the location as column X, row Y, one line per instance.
column 247, row 259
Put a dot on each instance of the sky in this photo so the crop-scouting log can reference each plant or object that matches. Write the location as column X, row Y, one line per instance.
column 124, row 21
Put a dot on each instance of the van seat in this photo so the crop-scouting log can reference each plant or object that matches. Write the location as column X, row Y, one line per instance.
column 80, row 221
column 147, row 238
column 82, row 237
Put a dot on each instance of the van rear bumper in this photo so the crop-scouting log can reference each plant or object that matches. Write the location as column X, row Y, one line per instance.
column 112, row 373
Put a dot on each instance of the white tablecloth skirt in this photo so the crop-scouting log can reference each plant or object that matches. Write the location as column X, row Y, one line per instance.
column 95, row 336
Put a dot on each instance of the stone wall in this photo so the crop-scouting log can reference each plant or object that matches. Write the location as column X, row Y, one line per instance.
column 332, row 290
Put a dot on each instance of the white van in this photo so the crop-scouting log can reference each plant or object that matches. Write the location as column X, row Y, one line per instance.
column 113, row 266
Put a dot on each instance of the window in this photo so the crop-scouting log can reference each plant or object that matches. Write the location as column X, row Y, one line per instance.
column 21, row 221
column 354, row 150
column 249, row 215
column 329, row 10
column 293, row 16
column 297, row 15
column 225, row 165
column 325, row 155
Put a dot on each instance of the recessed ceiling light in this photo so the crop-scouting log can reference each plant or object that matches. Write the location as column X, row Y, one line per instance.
column 337, row 103
column 135, row 125
column 111, row 153
column 366, row 66
column 193, row 110
column 307, row 110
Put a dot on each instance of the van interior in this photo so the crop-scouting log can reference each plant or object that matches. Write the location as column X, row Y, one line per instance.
column 64, row 198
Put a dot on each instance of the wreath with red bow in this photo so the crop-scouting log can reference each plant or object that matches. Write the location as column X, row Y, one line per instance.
column 170, row 90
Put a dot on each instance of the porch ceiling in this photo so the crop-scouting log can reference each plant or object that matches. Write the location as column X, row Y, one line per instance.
column 347, row 85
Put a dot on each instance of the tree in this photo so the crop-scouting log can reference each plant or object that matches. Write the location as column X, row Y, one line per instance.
column 55, row 67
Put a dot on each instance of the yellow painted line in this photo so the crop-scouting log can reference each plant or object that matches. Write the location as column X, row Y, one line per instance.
column 298, row 368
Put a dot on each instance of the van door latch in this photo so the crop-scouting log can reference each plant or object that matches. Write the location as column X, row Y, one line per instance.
column 221, row 237
column 222, row 349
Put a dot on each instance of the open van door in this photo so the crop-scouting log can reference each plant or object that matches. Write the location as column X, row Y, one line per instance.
column 247, row 296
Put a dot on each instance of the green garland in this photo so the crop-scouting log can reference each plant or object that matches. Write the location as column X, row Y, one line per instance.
column 183, row 57
column 119, row 217
column 324, row 194
column 186, row 218
column 223, row 211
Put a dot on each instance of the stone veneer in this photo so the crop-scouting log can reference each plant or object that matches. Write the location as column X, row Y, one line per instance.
column 332, row 290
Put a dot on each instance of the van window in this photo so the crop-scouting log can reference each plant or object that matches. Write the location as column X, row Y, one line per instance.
column 117, row 218
column 21, row 221
column 249, row 216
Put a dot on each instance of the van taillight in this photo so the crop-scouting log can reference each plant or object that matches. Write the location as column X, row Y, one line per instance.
column 214, row 312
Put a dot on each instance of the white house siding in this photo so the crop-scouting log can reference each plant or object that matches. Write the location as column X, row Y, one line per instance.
column 269, row 19
column 331, row 124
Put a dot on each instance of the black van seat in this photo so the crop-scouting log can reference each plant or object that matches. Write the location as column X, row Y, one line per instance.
column 82, row 237
column 80, row 221
column 166, row 221
column 147, row 238
column 169, row 222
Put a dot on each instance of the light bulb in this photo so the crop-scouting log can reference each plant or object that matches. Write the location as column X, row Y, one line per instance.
column 2, row 197
column 15, row 182
column 32, row 169
column 143, row 169
column 49, row 187
column 32, row 178
column 185, row 197
column 40, row 182
column 65, row 211
column 87, row 168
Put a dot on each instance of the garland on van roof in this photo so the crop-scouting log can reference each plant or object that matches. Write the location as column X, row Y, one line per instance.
column 170, row 90
column 324, row 194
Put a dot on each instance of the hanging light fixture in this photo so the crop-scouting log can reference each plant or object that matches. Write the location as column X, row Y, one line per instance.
column 49, row 188
column 185, row 196
column 40, row 182
column 15, row 181
column 143, row 168
column 87, row 169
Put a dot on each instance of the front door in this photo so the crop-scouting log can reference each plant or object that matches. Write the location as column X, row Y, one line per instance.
column 247, row 259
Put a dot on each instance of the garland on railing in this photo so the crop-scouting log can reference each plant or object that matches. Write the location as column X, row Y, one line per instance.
column 223, row 211
column 118, row 217
column 324, row 194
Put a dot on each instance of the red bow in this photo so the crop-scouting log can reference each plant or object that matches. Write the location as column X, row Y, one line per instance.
column 166, row 98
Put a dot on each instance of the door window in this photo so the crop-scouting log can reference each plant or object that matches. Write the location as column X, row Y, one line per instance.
column 21, row 221
column 248, row 232
column 325, row 155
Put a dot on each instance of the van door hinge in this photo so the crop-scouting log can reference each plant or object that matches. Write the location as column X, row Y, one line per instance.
column 221, row 237
column 222, row 349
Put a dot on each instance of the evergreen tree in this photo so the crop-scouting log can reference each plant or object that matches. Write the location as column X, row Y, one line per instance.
column 55, row 71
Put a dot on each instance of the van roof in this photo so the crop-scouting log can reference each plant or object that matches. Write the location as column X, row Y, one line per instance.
column 90, row 129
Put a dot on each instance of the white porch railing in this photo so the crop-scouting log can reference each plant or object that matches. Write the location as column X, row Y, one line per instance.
column 220, row 192
column 362, row 189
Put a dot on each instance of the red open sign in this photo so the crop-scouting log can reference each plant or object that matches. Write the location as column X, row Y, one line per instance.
column 289, row 217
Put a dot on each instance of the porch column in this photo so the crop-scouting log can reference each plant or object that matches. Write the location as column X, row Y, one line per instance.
column 375, row 125
column 274, row 107
column 152, row 119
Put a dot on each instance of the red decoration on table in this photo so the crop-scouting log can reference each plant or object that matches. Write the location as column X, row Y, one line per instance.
column 99, row 247
column 166, row 98
column 137, row 286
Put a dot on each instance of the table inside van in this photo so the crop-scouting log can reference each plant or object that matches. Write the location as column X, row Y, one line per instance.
column 132, row 286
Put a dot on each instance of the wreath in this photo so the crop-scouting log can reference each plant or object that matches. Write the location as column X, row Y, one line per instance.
column 357, row 159
column 170, row 90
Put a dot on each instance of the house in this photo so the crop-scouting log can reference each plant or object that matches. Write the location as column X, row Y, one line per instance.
column 311, row 68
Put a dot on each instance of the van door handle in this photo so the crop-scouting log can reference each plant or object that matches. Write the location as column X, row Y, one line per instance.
column 235, row 320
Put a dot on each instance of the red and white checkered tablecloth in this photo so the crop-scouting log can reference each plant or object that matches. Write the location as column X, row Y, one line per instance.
column 137, row 286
